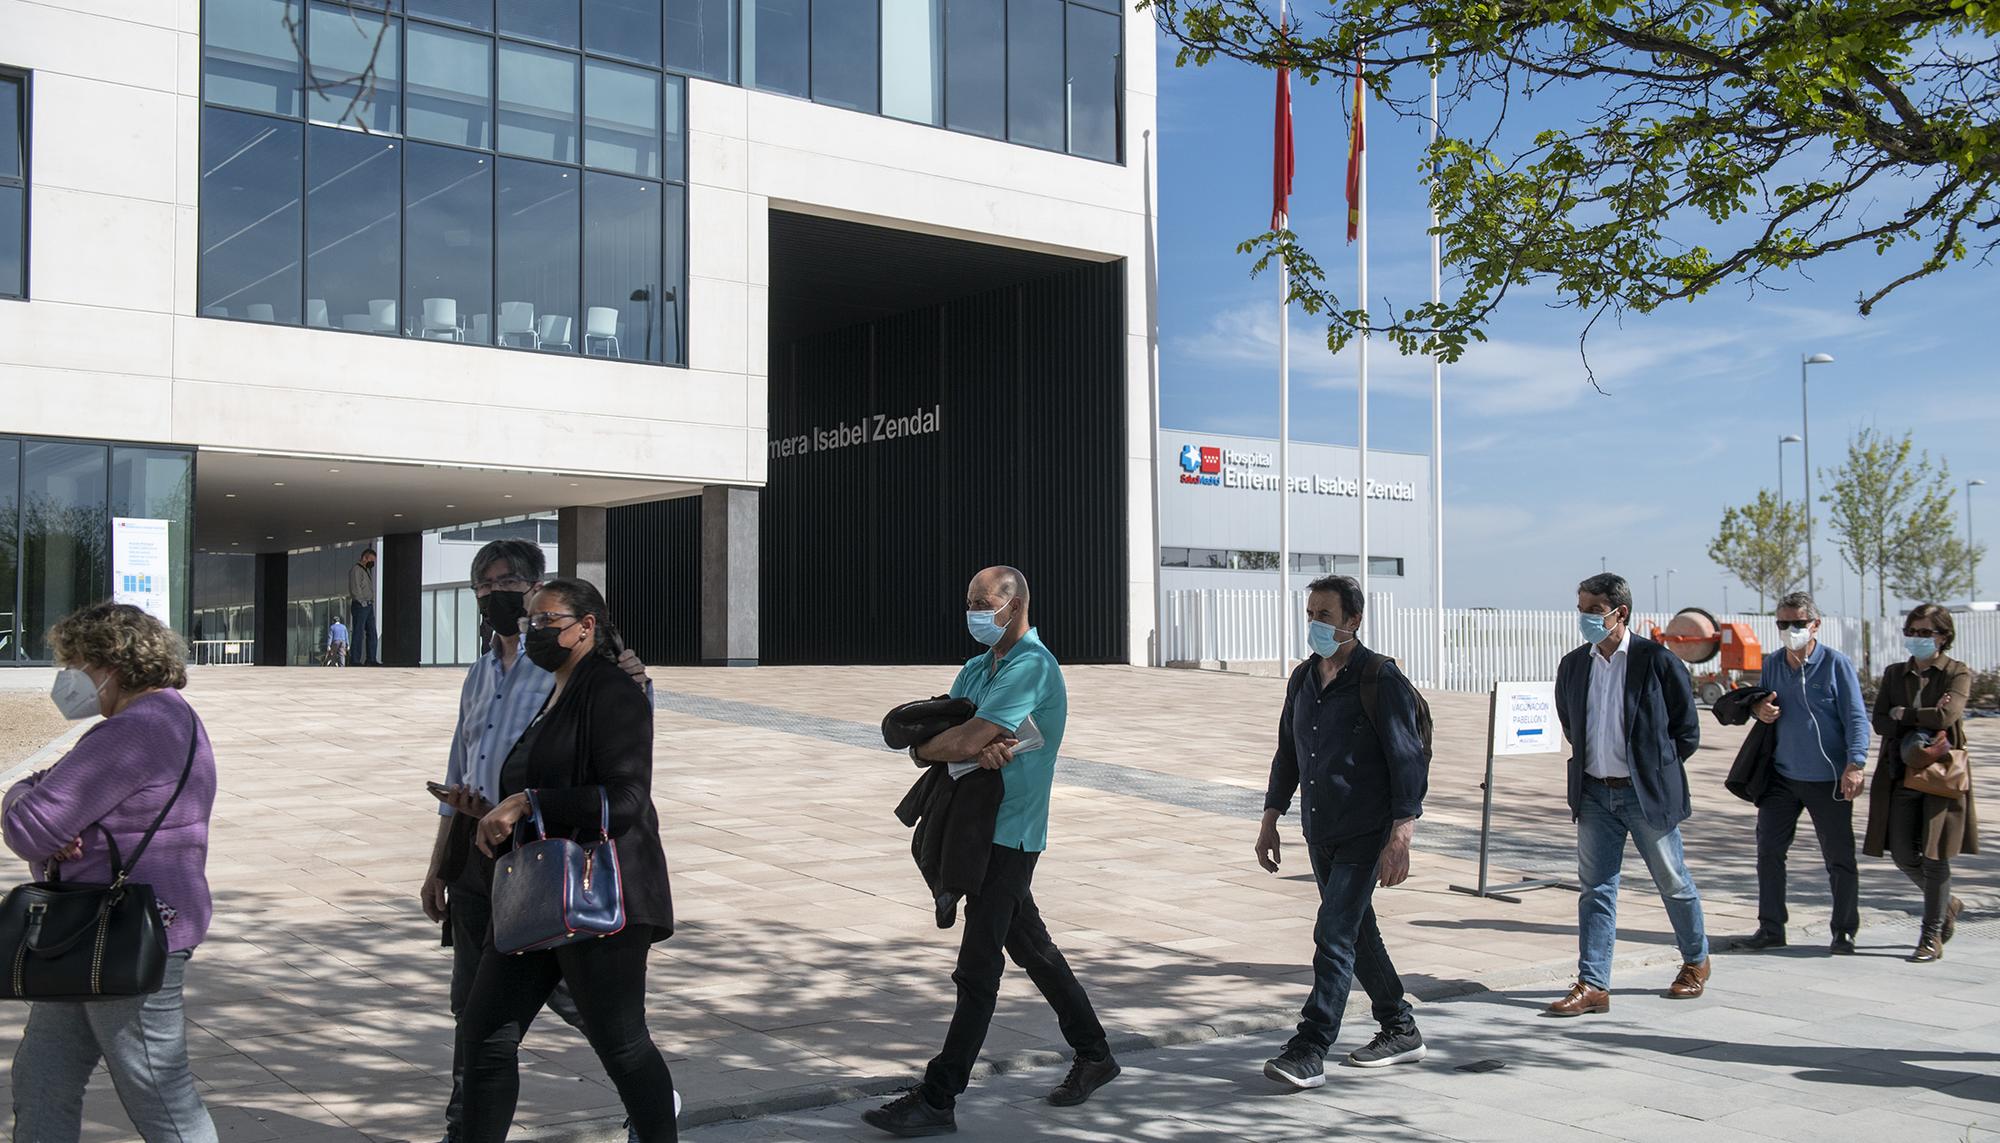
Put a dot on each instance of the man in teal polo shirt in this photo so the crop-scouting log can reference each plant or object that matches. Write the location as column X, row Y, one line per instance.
column 1018, row 688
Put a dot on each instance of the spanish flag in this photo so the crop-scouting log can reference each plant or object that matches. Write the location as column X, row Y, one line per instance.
column 1355, row 142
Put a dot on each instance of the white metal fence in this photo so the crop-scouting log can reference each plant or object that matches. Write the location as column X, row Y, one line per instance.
column 1484, row 646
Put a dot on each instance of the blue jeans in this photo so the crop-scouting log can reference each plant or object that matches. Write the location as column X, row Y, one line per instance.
column 1608, row 816
column 1347, row 945
column 143, row 1043
column 361, row 637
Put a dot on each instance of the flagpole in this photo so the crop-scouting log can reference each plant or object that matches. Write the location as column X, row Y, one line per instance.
column 1437, row 430
column 1361, row 292
column 1285, row 620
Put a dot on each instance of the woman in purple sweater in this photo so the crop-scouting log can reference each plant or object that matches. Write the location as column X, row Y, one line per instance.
column 125, row 665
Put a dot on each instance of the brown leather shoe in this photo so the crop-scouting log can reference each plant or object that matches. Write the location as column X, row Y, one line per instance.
column 1582, row 998
column 1692, row 981
column 1950, row 920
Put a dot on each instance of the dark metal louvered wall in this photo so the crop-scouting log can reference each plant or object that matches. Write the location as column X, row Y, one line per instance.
column 652, row 578
column 866, row 549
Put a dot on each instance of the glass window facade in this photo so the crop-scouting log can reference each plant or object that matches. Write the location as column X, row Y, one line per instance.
column 975, row 66
column 57, row 501
column 1095, row 55
column 846, row 60
column 376, row 199
column 13, row 186
column 701, row 38
column 776, row 50
column 913, row 60
column 1035, row 73
column 355, row 78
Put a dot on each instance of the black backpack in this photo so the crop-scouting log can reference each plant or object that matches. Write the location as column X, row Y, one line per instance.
column 1371, row 691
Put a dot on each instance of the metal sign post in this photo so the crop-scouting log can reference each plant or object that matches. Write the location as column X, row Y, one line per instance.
column 1520, row 719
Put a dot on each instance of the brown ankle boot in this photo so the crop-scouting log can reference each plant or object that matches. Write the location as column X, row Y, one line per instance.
column 1951, row 913
column 1930, row 947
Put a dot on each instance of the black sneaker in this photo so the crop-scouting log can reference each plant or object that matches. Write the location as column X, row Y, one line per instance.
column 1400, row 1047
column 1085, row 1076
column 1843, row 945
column 1766, row 939
column 911, row 1116
column 1299, row 1066
column 947, row 909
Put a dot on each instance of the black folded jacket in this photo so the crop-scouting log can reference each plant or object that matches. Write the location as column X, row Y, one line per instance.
column 953, row 820
column 915, row 723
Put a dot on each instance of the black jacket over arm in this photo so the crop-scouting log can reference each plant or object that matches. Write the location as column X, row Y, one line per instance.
column 1662, row 730
column 600, row 735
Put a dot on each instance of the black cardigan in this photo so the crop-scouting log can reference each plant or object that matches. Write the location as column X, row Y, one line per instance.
column 600, row 734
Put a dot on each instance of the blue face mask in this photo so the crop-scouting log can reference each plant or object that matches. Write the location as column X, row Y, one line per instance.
column 1920, row 648
column 981, row 626
column 1595, row 628
column 1324, row 638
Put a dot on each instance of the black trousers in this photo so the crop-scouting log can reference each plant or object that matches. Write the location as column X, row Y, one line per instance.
column 471, row 925
column 1002, row 918
column 1931, row 875
column 607, row 978
column 1777, row 824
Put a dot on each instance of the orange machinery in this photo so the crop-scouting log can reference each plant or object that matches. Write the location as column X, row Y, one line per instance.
column 1720, row 656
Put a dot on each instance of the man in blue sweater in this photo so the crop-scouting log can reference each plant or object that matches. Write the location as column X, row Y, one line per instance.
column 1822, row 749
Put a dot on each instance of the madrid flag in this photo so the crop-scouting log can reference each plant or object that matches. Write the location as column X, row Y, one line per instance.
column 1281, row 149
column 1355, row 143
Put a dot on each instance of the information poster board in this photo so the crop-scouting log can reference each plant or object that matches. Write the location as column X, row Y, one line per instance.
column 1524, row 719
column 142, row 566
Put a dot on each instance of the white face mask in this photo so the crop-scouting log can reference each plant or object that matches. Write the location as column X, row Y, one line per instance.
column 1796, row 638
column 74, row 694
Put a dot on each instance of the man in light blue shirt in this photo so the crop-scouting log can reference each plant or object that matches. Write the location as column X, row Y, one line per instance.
column 1018, row 688
column 503, row 693
column 1822, row 733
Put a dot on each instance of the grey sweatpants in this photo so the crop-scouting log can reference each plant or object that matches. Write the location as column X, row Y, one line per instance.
column 143, row 1043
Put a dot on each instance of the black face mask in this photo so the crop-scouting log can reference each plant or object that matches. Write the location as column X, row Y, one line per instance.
column 544, row 649
column 503, row 611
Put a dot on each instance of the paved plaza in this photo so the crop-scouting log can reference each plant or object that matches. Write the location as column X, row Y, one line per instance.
column 807, row 969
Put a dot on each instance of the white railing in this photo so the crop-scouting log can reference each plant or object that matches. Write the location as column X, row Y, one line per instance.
column 221, row 652
column 1484, row 646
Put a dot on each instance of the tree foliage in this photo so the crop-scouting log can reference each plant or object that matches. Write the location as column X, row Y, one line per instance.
column 1887, row 502
column 1763, row 544
column 1731, row 141
column 1934, row 568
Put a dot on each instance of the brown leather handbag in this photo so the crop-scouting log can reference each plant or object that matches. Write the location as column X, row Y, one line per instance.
column 1946, row 777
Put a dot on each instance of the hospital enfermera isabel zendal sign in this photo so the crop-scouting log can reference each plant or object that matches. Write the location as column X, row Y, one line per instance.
column 1238, row 468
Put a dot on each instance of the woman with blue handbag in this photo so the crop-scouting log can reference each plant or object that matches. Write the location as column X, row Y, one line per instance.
column 580, row 890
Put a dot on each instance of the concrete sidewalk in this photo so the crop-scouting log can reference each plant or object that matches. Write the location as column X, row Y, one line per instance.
column 1784, row 1046
column 807, row 964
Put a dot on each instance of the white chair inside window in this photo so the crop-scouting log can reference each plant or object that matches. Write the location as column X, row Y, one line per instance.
column 517, row 320
column 359, row 323
column 382, row 312
column 600, row 324
column 260, row 311
column 215, row 311
column 441, row 319
column 316, row 313
column 553, row 332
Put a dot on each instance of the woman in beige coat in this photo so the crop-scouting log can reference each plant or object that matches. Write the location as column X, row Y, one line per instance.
column 1923, row 832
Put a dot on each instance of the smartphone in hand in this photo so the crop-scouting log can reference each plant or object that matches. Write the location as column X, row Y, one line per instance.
column 439, row 790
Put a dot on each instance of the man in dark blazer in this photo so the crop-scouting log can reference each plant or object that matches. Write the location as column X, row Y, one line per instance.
column 1627, row 708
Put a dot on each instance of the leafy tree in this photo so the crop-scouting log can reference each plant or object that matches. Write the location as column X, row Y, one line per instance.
column 1885, row 501
column 1762, row 544
column 1731, row 141
column 1934, row 567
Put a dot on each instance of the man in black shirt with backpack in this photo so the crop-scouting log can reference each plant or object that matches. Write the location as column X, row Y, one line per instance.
column 1355, row 743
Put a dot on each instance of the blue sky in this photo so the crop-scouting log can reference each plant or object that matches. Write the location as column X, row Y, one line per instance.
column 1543, row 474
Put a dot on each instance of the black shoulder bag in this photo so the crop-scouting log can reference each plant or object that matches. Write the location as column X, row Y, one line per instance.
column 64, row 940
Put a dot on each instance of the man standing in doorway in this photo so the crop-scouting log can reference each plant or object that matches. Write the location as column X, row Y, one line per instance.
column 1350, row 739
column 1822, row 750
column 1627, row 708
column 1018, row 687
column 361, row 609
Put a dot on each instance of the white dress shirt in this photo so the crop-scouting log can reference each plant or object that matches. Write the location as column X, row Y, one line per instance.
column 1604, row 753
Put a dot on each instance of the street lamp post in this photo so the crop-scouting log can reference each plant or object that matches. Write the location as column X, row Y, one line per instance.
column 1670, row 586
column 1656, row 591
column 1805, row 427
column 1972, row 552
column 1788, row 438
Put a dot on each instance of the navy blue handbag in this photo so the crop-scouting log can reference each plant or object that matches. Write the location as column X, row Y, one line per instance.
column 550, row 891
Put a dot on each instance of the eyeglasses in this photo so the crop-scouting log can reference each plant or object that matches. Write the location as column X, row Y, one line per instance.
column 1920, row 632
column 1795, row 624
column 503, row 583
column 544, row 619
